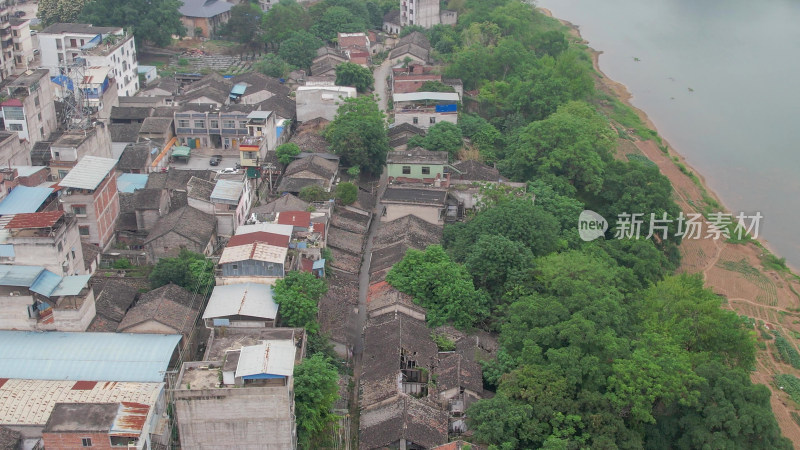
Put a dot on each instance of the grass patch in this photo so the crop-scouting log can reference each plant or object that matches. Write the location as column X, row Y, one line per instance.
column 444, row 343
column 625, row 115
column 772, row 262
column 795, row 417
column 789, row 384
column 640, row 158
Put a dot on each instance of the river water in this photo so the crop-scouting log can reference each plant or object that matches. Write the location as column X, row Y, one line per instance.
column 721, row 81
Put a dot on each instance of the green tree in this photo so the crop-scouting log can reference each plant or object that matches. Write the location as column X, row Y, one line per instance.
column 300, row 49
column 347, row 193
column 551, row 43
column 493, row 259
column 284, row 19
column 297, row 296
column 358, row 134
column 441, row 286
column 286, row 152
column 435, row 86
column 272, row 66
column 59, row 11
column 442, row 137
column 153, row 21
column 313, row 193
column 244, row 25
column 350, row 74
column 192, row 271
column 338, row 19
column 316, row 390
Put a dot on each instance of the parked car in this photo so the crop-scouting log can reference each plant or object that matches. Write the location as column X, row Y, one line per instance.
column 19, row 14
column 228, row 170
column 215, row 160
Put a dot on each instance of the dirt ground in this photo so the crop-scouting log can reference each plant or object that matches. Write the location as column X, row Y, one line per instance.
column 734, row 271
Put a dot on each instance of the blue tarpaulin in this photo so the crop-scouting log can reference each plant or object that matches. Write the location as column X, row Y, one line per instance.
column 63, row 81
column 24, row 199
column 447, row 108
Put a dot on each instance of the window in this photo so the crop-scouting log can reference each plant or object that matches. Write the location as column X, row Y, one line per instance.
column 14, row 33
column 234, row 266
column 433, row 119
column 13, row 113
column 36, row 100
column 183, row 123
column 60, row 247
column 15, row 127
column 227, row 123
column 249, row 155
column 73, row 43
column 415, row 120
column 62, row 173
column 83, row 230
column 79, row 210
column 406, row 170
column 39, row 116
column 243, row 124
column 73, row 254
column 214, row 123
column 59, row 44
column 199, row 123
column 86, row 442
column 426, row 170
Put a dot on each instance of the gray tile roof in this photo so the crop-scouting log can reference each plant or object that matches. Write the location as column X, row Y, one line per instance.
column 286, row 203
column 124, row 132
column 415, row 196
column 147, row 199
column 137, row 113
column 204, row 8
column 256, row 81
column 392, row 17
column 156, row 125
column 191, row 223
column 176, row 179
column 134, row 157
column 409, row 49
column 311, row 142
column 170, row 305
column 115, row 299
column 9, row 439
column 315, row 164
column 475, row 171
column 405, row 128
column 281, row 105
column 200, row 189
column 416, row 38
column 418, row 421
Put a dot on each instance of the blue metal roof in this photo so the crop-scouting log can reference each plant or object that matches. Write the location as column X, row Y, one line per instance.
column 70, row 285
column 7, row 251
column 45, row 283
column 238, row 89
column 19, row 275
column 85, row 356
column 318, row 264
column 129, row 182
column 24, row 199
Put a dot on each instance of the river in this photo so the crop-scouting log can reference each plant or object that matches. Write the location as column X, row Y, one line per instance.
column 719, row 78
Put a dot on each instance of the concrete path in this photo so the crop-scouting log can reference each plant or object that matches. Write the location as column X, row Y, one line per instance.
column 381, row 87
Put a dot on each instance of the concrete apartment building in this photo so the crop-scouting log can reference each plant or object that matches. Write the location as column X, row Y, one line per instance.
column 112, row 47
column 252, row 406
column 49, row 239
column 425, row 13
column 89, row 191
column 16, row 50
column 426, row 109
column 321, row 101
column 73, row 146
column 12, row 152
column 29, row 109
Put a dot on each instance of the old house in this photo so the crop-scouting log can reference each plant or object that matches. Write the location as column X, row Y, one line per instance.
column 391, row 22
column 258, row 262
column 321, row 101
column 185, row 228
column 158, row 129
column 150, row 206
column 309, row 171
column 418, row 166
column 50, row 239
column 203, row 18
column 427, row 204
column 414, row 47
column 169, row 309
column 73, row 146
column 137, row 158
column 287, row 202
column 256, row 88
column 426, row 109
column 101, row 425
column 111, row 303
column 395, row 237
column 89, row 191
column 382, row 299
column 403, row 422
column 253, row 404
column 326, row 61
column 241, row 305
column 399, row 134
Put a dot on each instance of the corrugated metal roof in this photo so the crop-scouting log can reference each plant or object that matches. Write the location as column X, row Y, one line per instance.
column 19, row 275
column 88, row 173
column 85, row 356
column 26, row 171
column 34, row 220
column 268, row 358
column 7, row 251
column 278, row 240
column 285, row 230
column 24, row 199
column 45, row 283
column 300, row 219
column 238, row 89
column 71, row 285
column 41, row 397
column 257, row 251
column 319, row 264
column 246, row 299
column 417, row 96
column 227, row 191
column 129, row 182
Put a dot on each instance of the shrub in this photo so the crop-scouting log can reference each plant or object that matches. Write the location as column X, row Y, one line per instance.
column 787, row 351
column 789, row 384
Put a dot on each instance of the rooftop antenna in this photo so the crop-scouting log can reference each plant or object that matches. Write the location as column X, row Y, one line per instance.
column 75, row 101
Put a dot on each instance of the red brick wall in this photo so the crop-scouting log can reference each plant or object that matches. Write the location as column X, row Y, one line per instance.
column 73, row 441
column 106, row 207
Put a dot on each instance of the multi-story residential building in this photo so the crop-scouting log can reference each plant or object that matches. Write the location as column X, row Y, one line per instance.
column 424, row 13
column 262, row 138
column 6, row 40
column 49, row 239
column 112, row 47
column 207, row 125
column 29, row 108
column 251, row 407
column 72, row 146
column 321, row 101
column 89, row 191
column 12, row 152
column 22, row 43
column 426, row 109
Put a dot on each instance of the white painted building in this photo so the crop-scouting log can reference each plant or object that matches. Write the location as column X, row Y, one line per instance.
column 321, row 101
column 424, row 13
column 98, row 46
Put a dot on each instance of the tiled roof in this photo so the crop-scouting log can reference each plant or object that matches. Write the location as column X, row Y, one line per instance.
column 257, row 251
column 134, row 157
column 455, row 371
column 170, row 305
column 148, row 199
column 405, row 128
column 286, row 203
column 416, row 155
column 191, row 223
column 130, row 112
column 417, row 38
column 392, row 17
column 409, row 49
column 311, row 142
column 475, row 171
column 200, row 189
column 382, row 295
column 124, row 132
column 256, row 81
column 114, row 300
column 404, row 418
column 156, row 125
column 296, row 184
column 204, row 8
column 414, row 196
column 336, row 307
column 314, row 164
column 34, row 220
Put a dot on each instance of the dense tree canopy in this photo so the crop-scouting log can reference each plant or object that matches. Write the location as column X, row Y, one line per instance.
column 283, row 19
column 272, row 65
column 442, row 137
column 358, row 134
column 286, row 152
column 192, row 271
column 153, row 21
column 59, row 11
column 299, row 49
column 315, row 392
column 297, row 296
column 347, row 193
column 244, row 25
column 350, row 74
